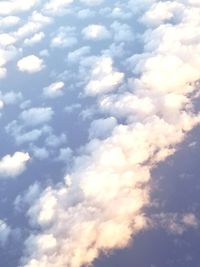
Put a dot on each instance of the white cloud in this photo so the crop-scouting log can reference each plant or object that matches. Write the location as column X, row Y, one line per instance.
column 36, row 38
column 65, row 37
column 54, row 90
column 96, row 32
column 30, row 64
column 77, row 217
column 9, row 21
column 92, row 2
column 40, row 153
column 102, row 128
column 36, row 116
column 56, row 140
column 175, row 223
column 65, row 154
column 103, row 77
column 11, row 97
column 57, row 7
column 76, row 55
column 34, row 25
column 15, row 6
column 85, row 14
column 6, row 39
column 122, row 32
column 5, row 231
column 13, row 165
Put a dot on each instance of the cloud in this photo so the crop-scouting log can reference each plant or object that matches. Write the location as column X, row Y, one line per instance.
column 103, row 77
column 102, row 128
column 65, row 37
column 5, row 231
column 151, row 112
column 34, row 25
column 54, row 90
column 6, row 39
column 36, row 116
column 85, row 13
column 36, row 38
column 9, row 21
column 11, row 97
column 95, row 32
column 30, row 64
column 56, row 7
column 55, row 140
column 175, row 223
column 40, row 153
column 92, row 2
column 76, row 55
column 65, row 154
column 16, row 6
column 13, row 165
column 122, row 32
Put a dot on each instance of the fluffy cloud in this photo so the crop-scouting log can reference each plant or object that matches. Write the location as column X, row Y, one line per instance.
column 57, row 7
column 92, row 2
column 13, row 165
column 96, row 32
column 36, row 116
column 65, row 37
column 113, row 169
column 76, row 55
column 175, row 223
column 103, row 77
column 54, row 90
column 11, row 97
column 6, row 39
column 30, row 64
column 36, row 38
column 15, row 6
column 5, row 231
column 9, row 21
column 102, row 128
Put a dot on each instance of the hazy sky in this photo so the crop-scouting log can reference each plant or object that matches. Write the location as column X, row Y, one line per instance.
column 99, row 114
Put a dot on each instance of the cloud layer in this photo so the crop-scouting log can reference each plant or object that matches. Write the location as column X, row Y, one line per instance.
column 100, row 204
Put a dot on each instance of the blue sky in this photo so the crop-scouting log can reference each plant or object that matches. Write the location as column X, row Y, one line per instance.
column 99, row 120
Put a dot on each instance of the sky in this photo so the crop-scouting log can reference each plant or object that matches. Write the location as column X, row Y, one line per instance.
column 99, row 116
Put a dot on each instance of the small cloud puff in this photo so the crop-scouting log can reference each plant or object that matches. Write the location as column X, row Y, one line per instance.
column 4, row 232
column 104, row 78
column 36, row 116
column 30, row 64
column 96, row 32
column 54, row 90
column 13, row 165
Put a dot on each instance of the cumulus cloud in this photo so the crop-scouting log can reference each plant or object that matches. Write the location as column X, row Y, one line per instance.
column 34, row 25
column 57, row 7
column 102, row 128
column 36, row 38
column 13, row 165
column 96, row 32
column 103, row 77
column 9, row 21
column 113, row 169
column 16, row 6
column 54, row 90
column 92, row 2
column 76, row 55
column 6, row 39
column 30, row 64
column 175, row 223
column 5, row 231
column 11, row 97
column 65, row 37
column 36, row 116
